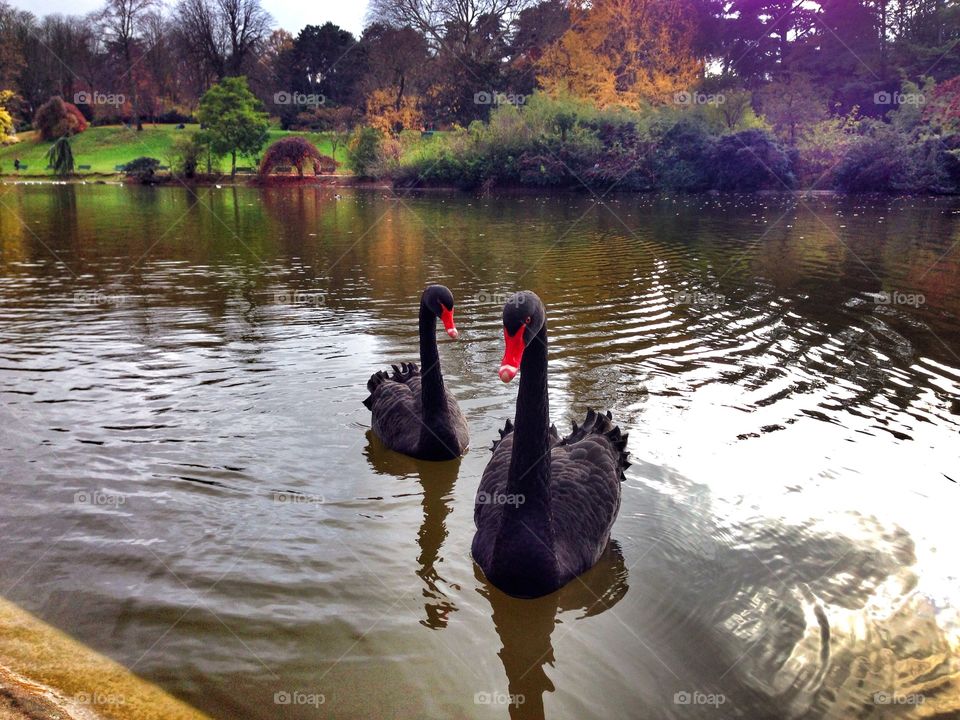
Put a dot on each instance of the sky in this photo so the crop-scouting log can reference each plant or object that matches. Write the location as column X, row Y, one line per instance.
column 288, row 14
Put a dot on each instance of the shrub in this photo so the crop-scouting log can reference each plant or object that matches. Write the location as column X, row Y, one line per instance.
column 363, row 152
column 681, row 158
column 188, row 155
column 750, row 160
column 143, row 168
column 295, row 152
column 871, row 164
column 932, row 166
column 942, row 111
column 820, row 150
column 58, row 118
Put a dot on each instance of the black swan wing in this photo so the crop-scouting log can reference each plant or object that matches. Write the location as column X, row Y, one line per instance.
column 493, row 484
column 458, row 422
column 394, row 402
column 586, row 473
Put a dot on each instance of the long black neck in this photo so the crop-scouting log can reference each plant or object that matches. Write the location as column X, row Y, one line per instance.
column 432, row 393
column 524, row 557
column 530, row 463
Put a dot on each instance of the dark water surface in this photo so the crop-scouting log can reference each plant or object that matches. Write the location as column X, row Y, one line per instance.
column 187, row 483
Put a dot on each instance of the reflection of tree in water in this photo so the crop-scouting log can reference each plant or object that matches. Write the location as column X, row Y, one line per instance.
column 437, row 480
column 526, row 626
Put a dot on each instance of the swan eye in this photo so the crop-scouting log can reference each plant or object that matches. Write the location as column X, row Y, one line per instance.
column 528, row 320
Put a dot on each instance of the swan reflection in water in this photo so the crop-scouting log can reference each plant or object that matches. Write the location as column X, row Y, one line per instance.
column 437, row 480
column 525, row 626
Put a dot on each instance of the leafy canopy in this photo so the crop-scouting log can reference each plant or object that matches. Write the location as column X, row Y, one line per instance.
column 232, row 119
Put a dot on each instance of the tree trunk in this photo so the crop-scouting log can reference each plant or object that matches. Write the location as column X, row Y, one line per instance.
column 233, row 164
column 134, row 101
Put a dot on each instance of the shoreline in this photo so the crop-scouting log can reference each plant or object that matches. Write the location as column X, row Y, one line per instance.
column 47, row 675
column 351, row 181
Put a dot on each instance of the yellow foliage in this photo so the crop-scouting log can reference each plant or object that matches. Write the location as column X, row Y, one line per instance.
column 6, row 120
column 624, row 53
column 389, row 116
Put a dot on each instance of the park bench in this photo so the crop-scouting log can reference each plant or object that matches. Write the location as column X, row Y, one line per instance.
column 83, row 167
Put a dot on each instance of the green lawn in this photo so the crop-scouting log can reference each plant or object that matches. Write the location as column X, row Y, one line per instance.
column 103, row 148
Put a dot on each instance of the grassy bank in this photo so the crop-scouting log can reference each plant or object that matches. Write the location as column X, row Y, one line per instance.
column 104, row 148
column 49, row 673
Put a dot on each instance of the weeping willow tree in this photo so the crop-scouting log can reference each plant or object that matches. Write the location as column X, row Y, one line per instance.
column 60, row 156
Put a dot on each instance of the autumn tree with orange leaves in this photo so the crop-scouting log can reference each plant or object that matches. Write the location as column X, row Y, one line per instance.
column 626, row 53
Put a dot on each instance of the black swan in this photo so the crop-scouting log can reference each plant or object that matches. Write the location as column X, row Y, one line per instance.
column 545, row 505
column 412, row 411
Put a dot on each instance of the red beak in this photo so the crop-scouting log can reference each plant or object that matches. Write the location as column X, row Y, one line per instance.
column 446, row 316
column 510, row 365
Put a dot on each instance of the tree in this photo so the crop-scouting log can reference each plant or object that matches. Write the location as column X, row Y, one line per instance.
column 11, row 55
column 122, row 21
column 58, row 118
column 223, row 35
column 534, row 30
column 760, row 34
column 397, row 61
column 384, row 114
column 7, row 127
column 624, row 52
column 232, row 119
column 319, row 64
column 469, row 39
column 295, row 152
column 364, row 151
column 446, row 21
column 942, row 110
column 60, row 156
column 792, row 104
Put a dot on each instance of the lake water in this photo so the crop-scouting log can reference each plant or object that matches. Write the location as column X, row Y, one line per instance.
column 188, row 484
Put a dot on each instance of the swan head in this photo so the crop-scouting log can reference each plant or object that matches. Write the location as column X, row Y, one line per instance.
column 523, row 318
column 439, row 300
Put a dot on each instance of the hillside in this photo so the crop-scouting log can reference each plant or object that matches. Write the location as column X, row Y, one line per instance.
column 103, row 148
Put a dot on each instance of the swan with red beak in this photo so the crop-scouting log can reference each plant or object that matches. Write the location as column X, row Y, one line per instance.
column 412, row 411
column 546, row 505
